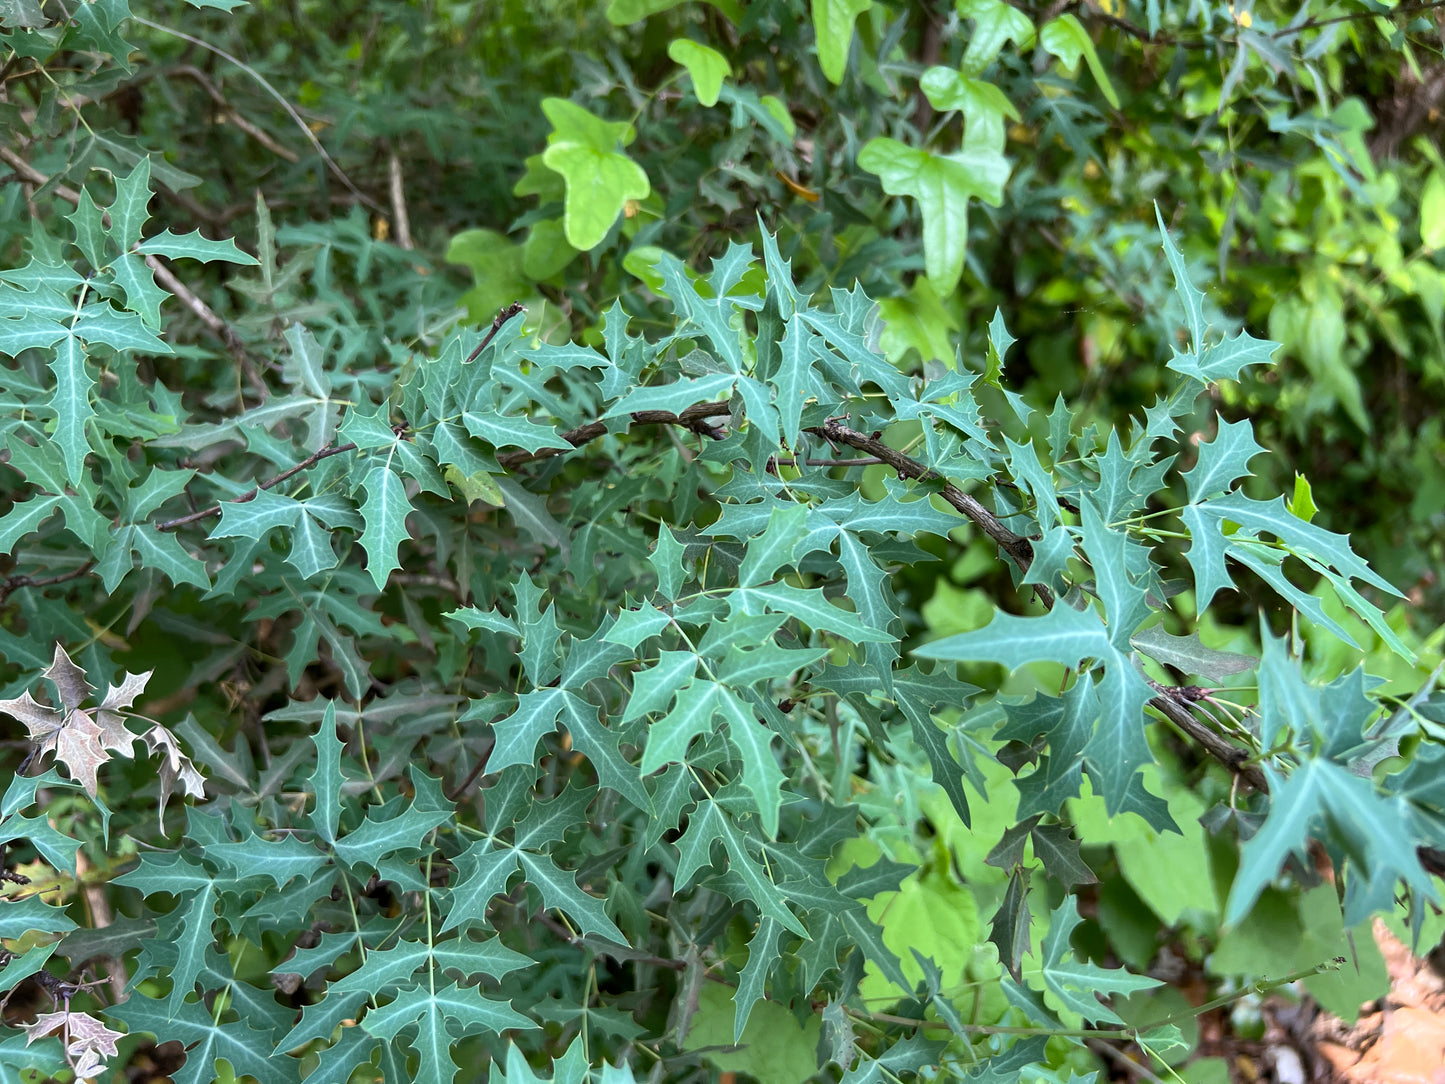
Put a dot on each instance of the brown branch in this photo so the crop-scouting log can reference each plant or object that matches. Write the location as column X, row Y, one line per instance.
column 1015, row 545
column 1173, row 703
column 13, row 583
column 398, row 202
column 215, row 509
column 497, row 322
column 200, row 78
column 694, row 417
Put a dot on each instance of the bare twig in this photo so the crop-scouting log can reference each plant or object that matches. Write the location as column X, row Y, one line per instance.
column 1015, row 545
column 694, row 417
column 497, row 321
column 13, row 583
column 215, row 509
column 331, row 165
column 190, row 71
column 399, row 216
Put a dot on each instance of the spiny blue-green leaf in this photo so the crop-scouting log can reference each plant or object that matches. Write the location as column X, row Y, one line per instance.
column 326, row 778
column 809, row 606
column 517, row 735
column 89, row 231
column 169, row 871
column 311, row 552
column 780, row 276
column 754, row 744
column 486, row 870
column 1320, row 795
column 164, row 552
column 1113, row 496
column 192, row 1025
column 1272, row 516
column 254, row 518
column 1076, row 983
column 709, row 824
column 1190, row 295
column 128, row 212
column 675, row 397
column 1207, row 545
column 142, row 295
column 752, row 981
column 1119, row 748
column 72, row 406
column 1189, row 655
column 559, row 890
column 599, row 744
column 376, row 837
column 1125, row 600
column 1222, row 460
column 512, row 431
column 766, row 662
column 634, row 626
column 29, row 331
column 773, row 549
column 889, row 515
column 666, row 561
column 194, row 247
column 31, row 915
column 491, row 620
column 690, row 716
column 105, row 324
column 384, row 510
column 1030, row 473
column 796, row 380
column 1063, row 635
column 653, row 688
column 1225, row 360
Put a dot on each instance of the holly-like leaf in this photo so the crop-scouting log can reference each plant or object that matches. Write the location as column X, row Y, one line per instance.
column 1077, row 984
column 1222, row 460
column 384, row 510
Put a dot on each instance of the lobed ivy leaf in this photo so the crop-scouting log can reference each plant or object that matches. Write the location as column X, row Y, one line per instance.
column 833, row 32
column 942, row 185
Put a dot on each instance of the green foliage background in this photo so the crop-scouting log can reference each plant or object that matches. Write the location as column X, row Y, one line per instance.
column 843, row 626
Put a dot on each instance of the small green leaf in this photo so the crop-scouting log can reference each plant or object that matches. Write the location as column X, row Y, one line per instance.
column 1432, row 211
column 1067, row 39
column 994, row 22
column 708, row 67
column 833, row 27
column 943, row 185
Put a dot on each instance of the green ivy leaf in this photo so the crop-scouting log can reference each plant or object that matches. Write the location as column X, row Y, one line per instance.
column 994, row 22
column 1067, row 39
column 833, row 28
column 943, row 185
column 707, row 66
